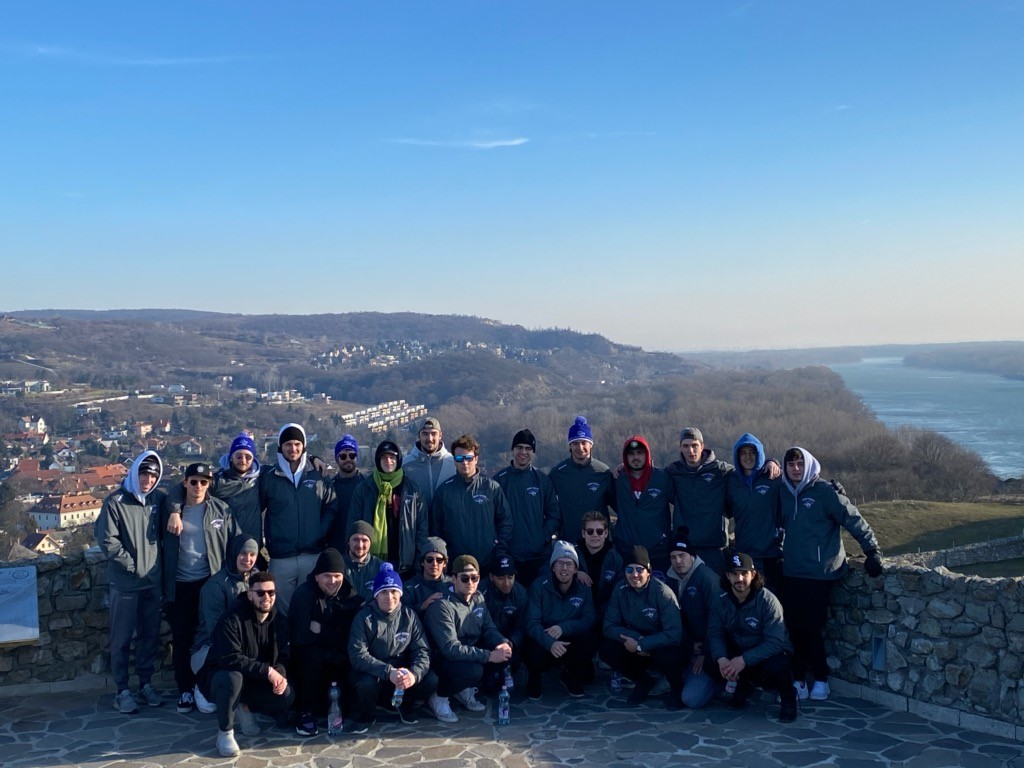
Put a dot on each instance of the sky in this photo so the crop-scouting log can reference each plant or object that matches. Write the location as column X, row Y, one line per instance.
column 681, row 175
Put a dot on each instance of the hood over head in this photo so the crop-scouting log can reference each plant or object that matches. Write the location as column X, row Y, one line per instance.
column 748, row 439
column 131, row 481
column 812, row 469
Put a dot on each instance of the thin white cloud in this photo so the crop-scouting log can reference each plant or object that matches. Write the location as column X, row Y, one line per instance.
column 74, row 55
column 841, row 108
column 465, row 144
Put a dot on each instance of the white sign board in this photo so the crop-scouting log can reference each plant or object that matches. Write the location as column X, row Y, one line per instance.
column 19, row 608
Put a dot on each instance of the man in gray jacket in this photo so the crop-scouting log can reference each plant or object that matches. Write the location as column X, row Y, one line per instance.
column 128, row 531
column 429, row 463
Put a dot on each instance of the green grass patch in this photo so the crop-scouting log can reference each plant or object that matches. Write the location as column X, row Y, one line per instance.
column 927, row 526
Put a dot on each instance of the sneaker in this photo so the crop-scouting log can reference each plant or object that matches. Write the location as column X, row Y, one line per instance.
column 621, row 682
column 661, row 686
column 572, row 686
column 442, row 709
column 151, row 696
column 534, row 687
column 185, row 703
column 361, row 726
column 820, row 690
column 203, row 704
column 246, row 721
column 801, row 690
column 641, row 691
column 407, row 715
column 226, row 744
column 467, row 698
column 124, row 703
column 306, row 725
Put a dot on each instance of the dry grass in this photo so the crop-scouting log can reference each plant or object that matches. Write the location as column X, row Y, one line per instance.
column 926, row 526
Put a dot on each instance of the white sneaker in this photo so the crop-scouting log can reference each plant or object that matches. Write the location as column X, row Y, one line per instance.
column 820, row 690
column 467, row 698
column 442, row 709
column 246, row 721
column 226, row 744
column 801, row 690
column 203, row 704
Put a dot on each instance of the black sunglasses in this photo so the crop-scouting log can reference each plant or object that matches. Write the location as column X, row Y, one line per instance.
column 469, row 578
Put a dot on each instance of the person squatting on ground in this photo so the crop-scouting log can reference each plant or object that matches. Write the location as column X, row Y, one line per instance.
column 250, row 649
column 748, row 639
column 388, row 650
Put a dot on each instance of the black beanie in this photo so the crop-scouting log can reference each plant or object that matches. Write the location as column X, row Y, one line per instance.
column 387, row 447
column 525, row 437
column 330, row 561
column 639, row 556
column 291, row 432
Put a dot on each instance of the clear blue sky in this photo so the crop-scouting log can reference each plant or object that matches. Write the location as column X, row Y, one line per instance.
column 682, row 175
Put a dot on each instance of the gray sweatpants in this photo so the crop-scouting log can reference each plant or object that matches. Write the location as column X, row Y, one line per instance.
column 134, row 614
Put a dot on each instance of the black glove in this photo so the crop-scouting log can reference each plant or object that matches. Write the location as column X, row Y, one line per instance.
column 838, row 487
column 873, row 563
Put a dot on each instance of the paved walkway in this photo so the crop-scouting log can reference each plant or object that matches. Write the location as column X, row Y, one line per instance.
column 82, row 729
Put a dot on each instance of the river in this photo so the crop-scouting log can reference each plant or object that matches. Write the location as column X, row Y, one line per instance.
column 982, row 411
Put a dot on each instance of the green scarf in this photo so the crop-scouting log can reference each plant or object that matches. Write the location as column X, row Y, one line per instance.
column 386, row 484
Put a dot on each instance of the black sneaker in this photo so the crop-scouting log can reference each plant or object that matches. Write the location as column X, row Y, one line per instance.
column 788, row 712
column 185, row 703
column 362, row 726
column 306, row 726
column 572, row 686
column 408, row 715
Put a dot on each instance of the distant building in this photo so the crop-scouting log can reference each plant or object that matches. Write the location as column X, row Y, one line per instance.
column 66, row 510
column 42, row 543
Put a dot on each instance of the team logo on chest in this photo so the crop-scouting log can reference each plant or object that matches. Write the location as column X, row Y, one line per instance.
column 654, row 492
column 592, row 487
column 478, row 612
column 401, row 638
column 480, row 498
column 752, row 622
column 217, row 523
column 707, row 477
column 762, row 489
column 576, row 602
column 808, row 503
column 533, row 490
column 650, row 612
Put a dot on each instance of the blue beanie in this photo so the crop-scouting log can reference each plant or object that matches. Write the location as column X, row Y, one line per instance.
column 580, row 430
column 387, row 578
column 347, row 441
column 243, row 442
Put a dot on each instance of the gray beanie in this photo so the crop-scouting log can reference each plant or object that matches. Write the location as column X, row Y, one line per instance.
column 562, row 549
column 436, row 544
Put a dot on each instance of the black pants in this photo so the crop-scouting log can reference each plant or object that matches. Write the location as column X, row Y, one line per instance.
column 230, row 688
column 578, row 660
column 771, row 569
column 667, row 661
column 805, row 606
column 312, row 670
column 774, row 673
column 453, row 676
column 371, row 691
column 183, row 616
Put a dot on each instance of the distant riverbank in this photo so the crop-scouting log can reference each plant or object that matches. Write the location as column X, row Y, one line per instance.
column 984, row 412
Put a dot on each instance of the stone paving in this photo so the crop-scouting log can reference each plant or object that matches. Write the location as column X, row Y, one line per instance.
column 82, row 729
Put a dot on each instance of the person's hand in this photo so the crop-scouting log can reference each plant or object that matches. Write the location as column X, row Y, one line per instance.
column 319, row 465
column 697, row 663
column 630, row 643
column 731, row 668
column 584, row 579
column 174, row 524
column 618, row 471
column 314, row 627
column 838, row 487
column 773, row 469
column 554, row 631
column 558, row 648
column 426, row 603
column 500, row 654
column 277, row 681
column 873, row 563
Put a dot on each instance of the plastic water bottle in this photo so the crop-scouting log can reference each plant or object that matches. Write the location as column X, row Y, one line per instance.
column 616, row 684
column 730, row 687
column 504, row 707
column 334, row 719
column 509, row 682
column 399, row 695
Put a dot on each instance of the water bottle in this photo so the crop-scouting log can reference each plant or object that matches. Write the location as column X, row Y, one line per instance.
column 334, row 719
column 730, row 687
column 504, row 707
column 616, row 683
column 399, row 695
column 509, row 682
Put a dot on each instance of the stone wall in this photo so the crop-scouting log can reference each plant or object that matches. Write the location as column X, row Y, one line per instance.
column 932, row 636
column 970, row 554
column 73, row 623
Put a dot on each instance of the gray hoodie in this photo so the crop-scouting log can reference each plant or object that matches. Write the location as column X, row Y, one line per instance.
column 428, row 470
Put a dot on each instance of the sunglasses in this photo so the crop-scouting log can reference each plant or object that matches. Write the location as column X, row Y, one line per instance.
column 469, row 578
column 242, row 457
column 197, row 481
column 264, row 592
column 635, row 570
column 433, row 560
column 464, row 457
column 564, row 564
column 346, row 456
column 594, row 531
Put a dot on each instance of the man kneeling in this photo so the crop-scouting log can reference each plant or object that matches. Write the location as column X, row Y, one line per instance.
column 250, row 646
column 748, row 637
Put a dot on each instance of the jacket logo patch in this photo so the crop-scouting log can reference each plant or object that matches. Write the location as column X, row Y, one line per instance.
column 533, row 490
column 311, row 483
column 576, row 602
column 510, row 610
column 691, row 591
column 650, row 612
column 592, row 487
column 480, row 498
column 654, row 492
column 402, row 637
column 217, row 523
column 707, row 477
column 479, row 612
column 762, row 489
column 808, row 503
column 752, row 622
column 609, row 575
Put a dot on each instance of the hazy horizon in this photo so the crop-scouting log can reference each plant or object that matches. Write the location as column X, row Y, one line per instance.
column 678, row 176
